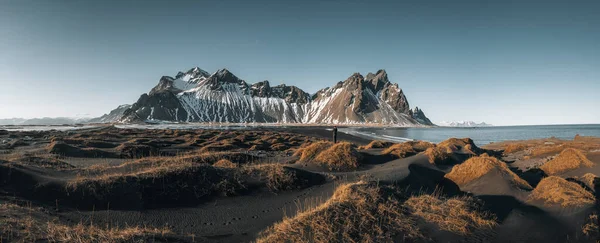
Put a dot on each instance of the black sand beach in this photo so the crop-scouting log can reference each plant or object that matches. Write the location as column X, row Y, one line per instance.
column 231, row 185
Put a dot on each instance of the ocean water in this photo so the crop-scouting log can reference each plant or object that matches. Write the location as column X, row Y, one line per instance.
column 480, row 135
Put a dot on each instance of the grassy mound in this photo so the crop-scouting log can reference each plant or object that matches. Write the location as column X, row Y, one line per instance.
column 358, row 212
column 406, row 149
column 340, row 157
column 556, row 191
column 132, row 151
column 61, row 148
column 460, row 215
column 476, row 167
column 277, row 177
column 514, row 147
column 439, row 156
column 368, row 212
column 420, row 146
column 589, row 180
column 310, row 151
column 461, row 145
column 149, row 184
column 172, row 184
column 400, row 150
column 29, row 224
column 568, row 159
column 225, row 163
column 452, row 151
column 376, row 144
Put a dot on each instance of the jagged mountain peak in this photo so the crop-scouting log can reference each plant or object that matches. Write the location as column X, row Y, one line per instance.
column 193, row 73
column 419, row 115
column 225, row 76
column 261, row 89
column 378, row 81
column 354, row 82
column 224, row 73
column 165, row 83
column 197, row 70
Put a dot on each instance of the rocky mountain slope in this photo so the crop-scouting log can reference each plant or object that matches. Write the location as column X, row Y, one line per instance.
column 197, row 96
column 114, row 115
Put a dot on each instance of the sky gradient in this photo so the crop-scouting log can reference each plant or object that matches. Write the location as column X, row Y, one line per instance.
column 502, row 62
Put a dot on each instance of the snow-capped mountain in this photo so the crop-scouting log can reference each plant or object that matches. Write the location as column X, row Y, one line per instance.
column 197, row 96
column 463, row 124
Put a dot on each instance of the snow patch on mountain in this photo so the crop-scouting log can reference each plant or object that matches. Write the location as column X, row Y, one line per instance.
column 463, row 124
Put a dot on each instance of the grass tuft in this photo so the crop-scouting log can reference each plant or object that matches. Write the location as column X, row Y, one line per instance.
column 340, row 157
column 556, row 191
column 310, row 151
column 376, row 144
column 476, row 167
column 568, row 159
column 358, row 212
column 460, row 215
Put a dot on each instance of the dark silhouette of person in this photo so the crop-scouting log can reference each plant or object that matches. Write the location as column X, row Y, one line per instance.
column 334, row 134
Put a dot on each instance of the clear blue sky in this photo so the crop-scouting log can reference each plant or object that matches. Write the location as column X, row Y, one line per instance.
column 502, row 62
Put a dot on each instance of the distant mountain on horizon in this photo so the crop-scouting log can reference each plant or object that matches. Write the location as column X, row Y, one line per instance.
column 43, row 121
column 463, row 124
column 197, row 96
column 112, row 115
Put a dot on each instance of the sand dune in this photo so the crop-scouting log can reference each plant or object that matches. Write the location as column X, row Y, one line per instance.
column 487, row 175
column 568, row 159
column 556, row 192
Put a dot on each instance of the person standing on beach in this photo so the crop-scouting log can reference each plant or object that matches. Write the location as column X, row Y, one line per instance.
column 334, row 134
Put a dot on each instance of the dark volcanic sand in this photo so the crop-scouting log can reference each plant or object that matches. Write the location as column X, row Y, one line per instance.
column 239, row 218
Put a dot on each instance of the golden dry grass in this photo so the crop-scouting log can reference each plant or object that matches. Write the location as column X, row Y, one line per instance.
column 438, row 155
column 588, row 179
column 369, row 212
column 590, row 228
column 457, row 144
column 400, row 150
column 568, row 159
column 276, row 176
column 514, row 147
column 376, row 144
column 225, row 163
column 539, row 148
column 406, row 149
column 546, row 150
column 420, row 146
column 476, row 167
column 358, row 212
column 183, row 174
column 28, row 224
column 556, row 191
column 445, row 151
column 339, row 157
column 460, row 215
column 311, row 150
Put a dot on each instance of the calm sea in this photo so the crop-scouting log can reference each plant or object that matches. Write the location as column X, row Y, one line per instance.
column 481, row 135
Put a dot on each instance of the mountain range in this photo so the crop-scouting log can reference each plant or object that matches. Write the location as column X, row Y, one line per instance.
column 43, row 121
column 464, row 124
column 198, row 96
